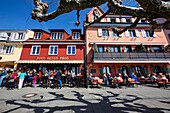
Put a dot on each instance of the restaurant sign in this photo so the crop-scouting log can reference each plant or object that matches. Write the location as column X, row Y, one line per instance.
column 52, row 58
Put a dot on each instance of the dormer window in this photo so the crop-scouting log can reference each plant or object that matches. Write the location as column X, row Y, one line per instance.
column 143, row 21
column 9, row 34
column 56, row 35
column 37, row 35
column 128, row 20
column 20, row 36
column 76, row 35
column 113, row 20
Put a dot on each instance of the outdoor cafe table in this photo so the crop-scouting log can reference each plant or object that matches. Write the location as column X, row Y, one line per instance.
column 117, row 80
column 161, row 80
column 131, row 80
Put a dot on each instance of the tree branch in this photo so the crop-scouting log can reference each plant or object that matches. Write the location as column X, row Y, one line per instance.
column 97, row 20
column 133, row 25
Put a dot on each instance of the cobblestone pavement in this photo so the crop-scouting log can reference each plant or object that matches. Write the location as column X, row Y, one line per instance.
column 91, row 100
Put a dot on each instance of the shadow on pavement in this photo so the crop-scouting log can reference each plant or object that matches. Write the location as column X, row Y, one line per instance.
column 104, row 104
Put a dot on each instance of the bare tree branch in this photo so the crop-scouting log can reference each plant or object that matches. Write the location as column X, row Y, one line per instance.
column 133, row 25
column 150, row 9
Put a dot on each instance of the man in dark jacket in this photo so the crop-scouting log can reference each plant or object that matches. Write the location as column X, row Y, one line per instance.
column 57, row 77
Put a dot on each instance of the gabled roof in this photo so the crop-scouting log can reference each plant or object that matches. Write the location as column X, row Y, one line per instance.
column 58, row 30
column 95, row 8
column 40, row 30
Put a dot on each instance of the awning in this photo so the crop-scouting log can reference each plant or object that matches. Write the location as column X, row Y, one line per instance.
column 104, row 61
column 51, row 62
column 7, row 61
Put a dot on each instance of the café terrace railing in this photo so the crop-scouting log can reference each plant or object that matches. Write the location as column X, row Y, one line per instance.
column 106, row 55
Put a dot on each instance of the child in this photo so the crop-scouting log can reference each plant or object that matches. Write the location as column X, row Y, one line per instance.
column 34, row 79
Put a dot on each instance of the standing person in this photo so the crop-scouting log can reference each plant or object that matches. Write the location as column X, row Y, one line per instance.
column 105, row 79
column 57, row 77
column 14, row 77
column 110, row 78
column 125, row 80
column 34, row 79
column 90, row 79
column 21, row 79
column 73, row 77
column 2, row 75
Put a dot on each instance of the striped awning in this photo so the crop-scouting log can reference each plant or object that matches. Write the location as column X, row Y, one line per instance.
column 51, row 62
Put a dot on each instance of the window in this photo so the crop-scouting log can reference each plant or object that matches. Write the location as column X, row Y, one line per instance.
column 132, row 33
column 20, row 36
column 157, row 49
column 57, row 35
column 143, row 21
column 105, row 32
column 128, row 20
column 9, row 34
column 71, row 50
column 78, row 70
column 115, row 34
column 114, row 49
column 100, row 48
column 129, row 49
column 113, row 20
column 148, row 33
column 37, row 35
column 35, row 50
column 53, row 50
column 8, row 49
column 76, row 35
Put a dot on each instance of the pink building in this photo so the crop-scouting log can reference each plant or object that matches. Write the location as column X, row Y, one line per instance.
column 109, row 53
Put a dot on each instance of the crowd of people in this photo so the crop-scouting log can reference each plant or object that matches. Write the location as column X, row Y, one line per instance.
column 125, row 79
column 18, row 79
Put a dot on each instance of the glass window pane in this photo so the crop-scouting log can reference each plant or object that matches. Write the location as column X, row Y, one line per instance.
column 116, row 50
column 38, row 50
column 55, row 51
column 73, row 50
column 111, row 49
column 69, row 50
column 33, row 51
column 51, row 50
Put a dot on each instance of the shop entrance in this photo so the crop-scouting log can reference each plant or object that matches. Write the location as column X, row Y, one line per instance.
column 107, row 69
column 140, row 71
column 158, row 69
column 125, row 70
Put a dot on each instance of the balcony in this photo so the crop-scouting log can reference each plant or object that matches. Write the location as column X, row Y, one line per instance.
column 131, row 56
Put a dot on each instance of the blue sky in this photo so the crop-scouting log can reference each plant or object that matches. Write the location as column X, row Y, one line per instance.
column 16, row 14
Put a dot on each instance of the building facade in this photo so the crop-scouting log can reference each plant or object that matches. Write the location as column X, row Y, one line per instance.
column 54, row 50
column 11, row 43
column 109, row 53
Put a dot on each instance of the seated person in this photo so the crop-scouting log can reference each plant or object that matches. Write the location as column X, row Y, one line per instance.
column 134, row 77
column 153, row 77
column 161, row 76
